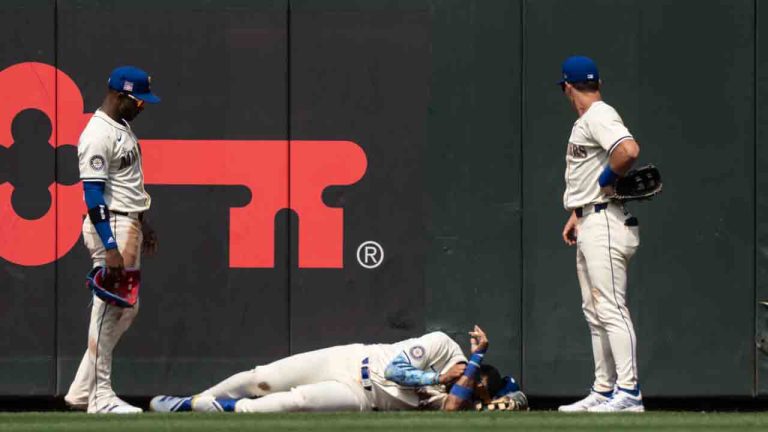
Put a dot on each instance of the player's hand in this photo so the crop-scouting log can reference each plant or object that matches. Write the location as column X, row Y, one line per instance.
column 478, row 340
column 608, row 191
column 571, row 230
column 115, row 267
column 452, row 374
column 149, row 244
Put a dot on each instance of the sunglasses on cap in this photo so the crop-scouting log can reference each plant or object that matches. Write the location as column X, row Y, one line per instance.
column 139, row 102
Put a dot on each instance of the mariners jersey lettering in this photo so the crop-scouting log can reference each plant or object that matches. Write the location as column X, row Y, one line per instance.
column 108, row 151
column 432, row 352
column 593, row 137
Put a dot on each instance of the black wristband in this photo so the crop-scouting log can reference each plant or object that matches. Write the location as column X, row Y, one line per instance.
column 100, row 213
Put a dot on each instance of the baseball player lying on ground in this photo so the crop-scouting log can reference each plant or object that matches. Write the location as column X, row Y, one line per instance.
column 429, row 372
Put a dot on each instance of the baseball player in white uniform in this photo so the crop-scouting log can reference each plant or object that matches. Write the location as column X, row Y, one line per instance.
column 113, row 182
column 407, row 375
column 601, row 149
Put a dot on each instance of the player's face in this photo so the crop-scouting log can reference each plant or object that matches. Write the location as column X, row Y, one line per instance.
column 481, row 390
column 568, row 92
column 130, row 106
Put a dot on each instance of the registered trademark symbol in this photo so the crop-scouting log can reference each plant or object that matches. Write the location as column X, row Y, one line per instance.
column 370, row 254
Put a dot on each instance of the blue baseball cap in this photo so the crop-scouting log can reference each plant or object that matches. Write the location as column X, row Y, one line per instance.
column 134, row 81
column 579, row 69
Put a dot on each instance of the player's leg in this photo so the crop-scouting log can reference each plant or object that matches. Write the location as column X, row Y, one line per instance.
column 108, row 323
column 605, row 370
column 282, row 375
column 327, row 396
column 607, row 259
column 329, row 364
column 77, row 395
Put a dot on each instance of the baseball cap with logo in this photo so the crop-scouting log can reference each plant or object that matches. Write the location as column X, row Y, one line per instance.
column 579, row 69
column 134, row 81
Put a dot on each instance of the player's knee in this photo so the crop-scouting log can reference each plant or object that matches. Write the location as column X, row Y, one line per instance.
column 299, row 401
column 289, row 401
column 591, row 316
column 262, row 380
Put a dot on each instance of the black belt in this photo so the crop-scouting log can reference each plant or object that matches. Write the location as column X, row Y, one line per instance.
column 139, row 215
column 598, row 207
column 365, row 375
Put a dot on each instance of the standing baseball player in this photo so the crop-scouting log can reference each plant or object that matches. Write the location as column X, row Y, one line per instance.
column 600, row 150
column 407, row 375
column 114, row 232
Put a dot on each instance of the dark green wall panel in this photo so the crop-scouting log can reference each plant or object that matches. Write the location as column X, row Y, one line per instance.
column 473, row 175
column 761, row 195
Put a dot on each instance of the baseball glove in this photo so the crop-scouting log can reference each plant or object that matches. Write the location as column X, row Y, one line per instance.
column 638, row 184
column 123, row 292
column 516, row 401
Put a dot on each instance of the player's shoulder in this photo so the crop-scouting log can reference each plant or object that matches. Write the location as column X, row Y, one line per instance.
column 98, row 128
column 438, row 338
column 437, row 335
column 601, row 109
column 600, row 112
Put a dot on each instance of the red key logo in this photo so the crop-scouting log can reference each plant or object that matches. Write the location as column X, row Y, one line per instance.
column 261, row 166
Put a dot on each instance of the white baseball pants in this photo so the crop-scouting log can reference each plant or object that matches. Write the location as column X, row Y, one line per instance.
column 604, row 247
column 323, row 380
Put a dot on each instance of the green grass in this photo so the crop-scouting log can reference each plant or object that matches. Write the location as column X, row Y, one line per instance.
column 399, row 422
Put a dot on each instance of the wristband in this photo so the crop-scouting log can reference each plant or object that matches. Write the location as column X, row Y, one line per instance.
column 607, row 177
column 100, row 213
column 474, row 364
column 461, row 392
column 99, row 216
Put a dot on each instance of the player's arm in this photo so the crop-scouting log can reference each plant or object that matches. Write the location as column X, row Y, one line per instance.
column 609, row 131
column 401, row 371
column 624, row 156
column 571, row 230
column 462, row 392
column 94, row 153
column 150, row 244
column 98, row 212
column 621, row 158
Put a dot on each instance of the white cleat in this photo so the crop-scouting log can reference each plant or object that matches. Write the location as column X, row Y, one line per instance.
column 117, row 406
column 592, row 400
column 170, row 404
column 206, row 403
column 621, row 402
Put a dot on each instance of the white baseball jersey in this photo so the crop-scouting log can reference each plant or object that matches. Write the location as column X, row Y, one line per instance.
column 432, row 352
column 109, row 151
column 593, row 137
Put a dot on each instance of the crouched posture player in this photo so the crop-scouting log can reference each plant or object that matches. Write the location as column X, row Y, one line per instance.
column 412, row 374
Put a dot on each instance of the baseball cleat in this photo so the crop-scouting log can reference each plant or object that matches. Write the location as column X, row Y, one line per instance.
column 117, row 406
column 592, row 400
column 206, row 403
column 621, row 402
column 170, row 404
